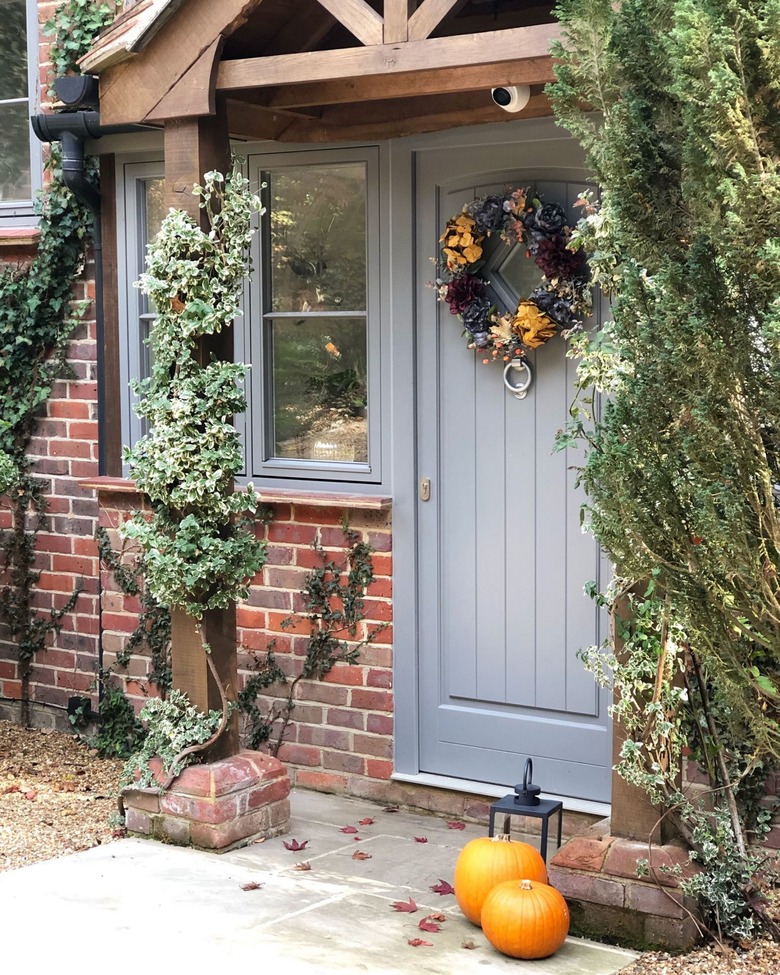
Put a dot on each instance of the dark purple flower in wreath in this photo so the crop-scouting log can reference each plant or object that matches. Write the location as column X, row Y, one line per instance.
column 462, row 291
column 488, row 214
column 475, row 317
column 555, row 307
column 555, row 260
column 548, row 218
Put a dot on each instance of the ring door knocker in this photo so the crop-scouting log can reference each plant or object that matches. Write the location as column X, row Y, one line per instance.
column 515, row 380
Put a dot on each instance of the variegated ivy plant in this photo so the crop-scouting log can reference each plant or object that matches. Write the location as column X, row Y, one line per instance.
column 199, row 545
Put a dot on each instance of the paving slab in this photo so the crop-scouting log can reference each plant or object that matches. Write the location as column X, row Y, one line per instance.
column 136, row 903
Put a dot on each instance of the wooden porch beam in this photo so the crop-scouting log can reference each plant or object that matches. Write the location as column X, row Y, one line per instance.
column 397, row 13
column 529, row 71
column 387, row 60
column 319, row 22
column 359, row 19
column 313, row 131
column 428, row 16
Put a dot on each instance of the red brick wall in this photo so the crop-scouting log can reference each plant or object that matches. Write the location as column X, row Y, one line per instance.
column 341, row 729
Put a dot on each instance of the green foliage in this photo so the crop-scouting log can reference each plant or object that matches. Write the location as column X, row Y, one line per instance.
column 172, row 726
column 682, row 466
column 73, row 28
column 199, row 547
column 119, row 731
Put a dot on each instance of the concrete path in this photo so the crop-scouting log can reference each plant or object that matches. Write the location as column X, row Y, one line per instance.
column 140, row 906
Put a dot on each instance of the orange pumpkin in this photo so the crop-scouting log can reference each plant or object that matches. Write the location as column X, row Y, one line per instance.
column 488, row 861
column 525, row 920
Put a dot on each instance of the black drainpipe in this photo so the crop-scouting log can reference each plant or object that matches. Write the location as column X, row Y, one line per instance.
column 72, row 129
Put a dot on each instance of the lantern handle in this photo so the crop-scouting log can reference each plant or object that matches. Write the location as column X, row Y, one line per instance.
column 528, row 774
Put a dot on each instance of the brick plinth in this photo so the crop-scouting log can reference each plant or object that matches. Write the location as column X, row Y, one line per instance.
column 597, row 874
column 216, row 806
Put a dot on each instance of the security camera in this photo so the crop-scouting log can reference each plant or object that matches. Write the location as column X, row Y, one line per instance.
column 512, row 98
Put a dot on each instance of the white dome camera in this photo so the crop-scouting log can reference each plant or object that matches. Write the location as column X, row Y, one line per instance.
column 512, row 98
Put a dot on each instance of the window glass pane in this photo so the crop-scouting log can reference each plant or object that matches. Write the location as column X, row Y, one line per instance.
column 319, row 389
column 318, row 238
column 14, row 152
column 151, row 200
column 13, row 49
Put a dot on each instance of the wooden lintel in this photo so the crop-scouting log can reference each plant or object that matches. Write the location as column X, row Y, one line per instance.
column 529, row 71
column 428, row 16
column 193, row 93
column 359, row 19
column 397, row 13
column 389, row 59
column 317, row 132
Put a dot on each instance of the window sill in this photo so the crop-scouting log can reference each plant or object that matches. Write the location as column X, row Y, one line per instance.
column 312, row 499
column 19, row 238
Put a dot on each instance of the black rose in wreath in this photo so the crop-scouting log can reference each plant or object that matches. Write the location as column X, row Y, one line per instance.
column 475, row 317
column 555, row 307
column 548, row 218
column 489, row 215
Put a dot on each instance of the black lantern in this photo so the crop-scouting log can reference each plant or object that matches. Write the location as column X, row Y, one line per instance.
column 526, row 801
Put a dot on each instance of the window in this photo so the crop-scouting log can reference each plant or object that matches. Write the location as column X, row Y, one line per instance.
column 144, row 208
column 313, row 329
column 20, row 175
column 310, row 331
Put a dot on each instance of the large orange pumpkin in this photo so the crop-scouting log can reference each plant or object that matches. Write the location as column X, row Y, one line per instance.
column 488, row 861
column 526, row 919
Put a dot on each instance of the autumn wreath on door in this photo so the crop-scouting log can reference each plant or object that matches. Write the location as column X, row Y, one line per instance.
column 557, row 305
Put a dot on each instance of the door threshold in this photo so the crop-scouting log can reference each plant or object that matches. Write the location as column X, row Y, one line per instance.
column 570, row 803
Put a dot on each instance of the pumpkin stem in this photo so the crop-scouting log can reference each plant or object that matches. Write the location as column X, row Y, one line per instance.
column 526, row 885
column 501, row 838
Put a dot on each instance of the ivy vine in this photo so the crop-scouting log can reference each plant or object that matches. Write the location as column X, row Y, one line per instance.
column 73, row 28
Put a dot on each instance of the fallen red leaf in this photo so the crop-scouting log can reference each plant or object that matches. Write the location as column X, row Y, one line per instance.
column 251, row 886
column 302, row 866
column 456, row 824
column 442, row 888
column 421, row 839
column 12, row 788
column 368, row 821
column 348, row 829
column 417, row 942
column 405, row 907
column 430, row 926
column 295, row 846
column 437, row 917
column 361, row 855
column 31, row 794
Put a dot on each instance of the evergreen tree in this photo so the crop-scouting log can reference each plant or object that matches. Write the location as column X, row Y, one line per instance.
column 677, row 103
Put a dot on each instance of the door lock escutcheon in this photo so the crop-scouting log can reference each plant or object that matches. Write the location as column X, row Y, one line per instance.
column 425, row 489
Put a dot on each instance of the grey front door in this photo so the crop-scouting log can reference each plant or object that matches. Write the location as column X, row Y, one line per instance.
column 502, row 558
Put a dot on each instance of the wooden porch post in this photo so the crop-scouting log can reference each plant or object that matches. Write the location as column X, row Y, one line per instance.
column 193, row 147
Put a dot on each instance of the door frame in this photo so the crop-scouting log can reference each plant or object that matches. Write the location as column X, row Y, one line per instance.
column 403, row 276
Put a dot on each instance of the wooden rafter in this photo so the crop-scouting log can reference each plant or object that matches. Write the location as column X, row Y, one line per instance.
column 388, row 59
column 428, row 16
column 359, row 19
column 397, row 12
column 529, row 71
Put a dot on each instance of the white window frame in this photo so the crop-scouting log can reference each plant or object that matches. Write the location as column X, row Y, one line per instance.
column 15, row 213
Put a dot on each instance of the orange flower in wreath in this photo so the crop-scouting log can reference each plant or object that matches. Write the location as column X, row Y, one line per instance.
column 461, row 244
column 532, row 326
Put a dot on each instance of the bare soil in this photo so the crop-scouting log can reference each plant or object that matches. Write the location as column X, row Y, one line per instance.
column 57, row 797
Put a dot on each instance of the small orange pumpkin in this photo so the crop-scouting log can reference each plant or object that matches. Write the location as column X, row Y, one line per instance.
column 525, row 920
column 488, row 861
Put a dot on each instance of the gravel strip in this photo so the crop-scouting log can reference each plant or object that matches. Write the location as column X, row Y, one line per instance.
column 56, row 797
